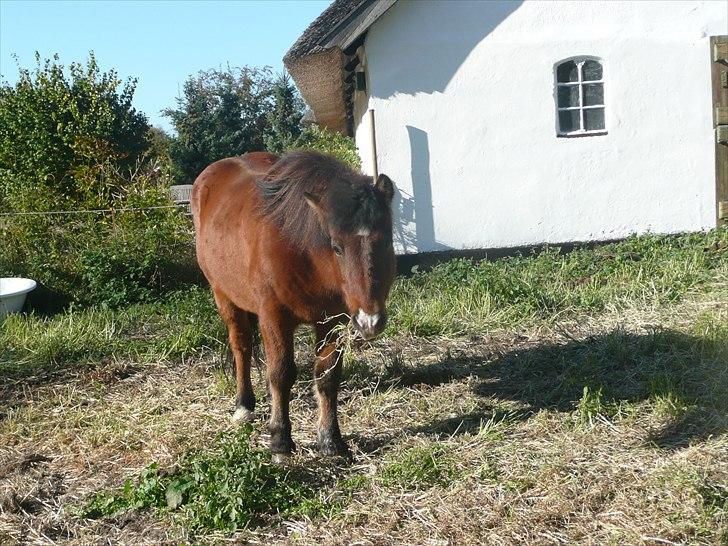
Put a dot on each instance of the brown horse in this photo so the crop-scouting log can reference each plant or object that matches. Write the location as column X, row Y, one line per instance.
column 303, row 239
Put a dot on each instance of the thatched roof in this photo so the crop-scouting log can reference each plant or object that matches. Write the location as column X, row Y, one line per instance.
column 322, row 57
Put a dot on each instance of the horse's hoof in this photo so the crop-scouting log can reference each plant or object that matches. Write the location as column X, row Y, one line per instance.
column 280, row 458
column 243, row 415
column 335, row 449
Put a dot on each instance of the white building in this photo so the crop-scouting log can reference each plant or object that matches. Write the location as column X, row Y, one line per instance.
column 509, row 123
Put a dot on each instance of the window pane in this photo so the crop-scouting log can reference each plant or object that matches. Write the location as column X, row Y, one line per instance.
column 593, row 94
column 568, row 95
column 569, row 121
column 594, row 119
column 567, row 72
column 592, row 70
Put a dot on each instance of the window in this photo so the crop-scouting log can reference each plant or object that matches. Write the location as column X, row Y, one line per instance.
column 580, row 97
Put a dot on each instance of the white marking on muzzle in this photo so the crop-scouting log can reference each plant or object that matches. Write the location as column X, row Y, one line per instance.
column 367, row 321
column 363, row 232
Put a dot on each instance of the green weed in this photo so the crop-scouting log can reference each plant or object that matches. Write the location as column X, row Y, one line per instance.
column 229, row 488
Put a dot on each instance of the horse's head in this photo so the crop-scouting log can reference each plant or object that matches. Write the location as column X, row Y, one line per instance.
column 359, row 226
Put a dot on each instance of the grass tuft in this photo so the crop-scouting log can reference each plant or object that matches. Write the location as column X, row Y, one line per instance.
column 420, row 467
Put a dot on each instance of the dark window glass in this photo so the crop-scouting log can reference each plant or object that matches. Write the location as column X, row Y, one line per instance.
column 594, row 119
column 569, row 121
column 591, row 71
column 593, row 94
column 568, row 95
column 567, row 72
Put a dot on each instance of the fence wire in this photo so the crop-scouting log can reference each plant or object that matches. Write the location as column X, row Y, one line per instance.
column 90, row 211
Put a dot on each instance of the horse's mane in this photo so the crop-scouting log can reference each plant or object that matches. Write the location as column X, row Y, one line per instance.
column 347, row 197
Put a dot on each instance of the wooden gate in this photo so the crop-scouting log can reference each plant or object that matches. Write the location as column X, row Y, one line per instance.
column 719, row 74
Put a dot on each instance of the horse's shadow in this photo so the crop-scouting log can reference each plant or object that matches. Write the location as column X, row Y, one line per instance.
column 685, row 375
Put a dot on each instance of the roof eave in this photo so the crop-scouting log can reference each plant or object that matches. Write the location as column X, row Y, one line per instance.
column 319, row 73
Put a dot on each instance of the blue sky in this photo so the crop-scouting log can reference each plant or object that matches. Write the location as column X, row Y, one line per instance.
column 160, row 43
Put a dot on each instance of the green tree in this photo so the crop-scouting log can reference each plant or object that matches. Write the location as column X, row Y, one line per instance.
column 160, row 145
column 57, row 126
column 285, row 117
column 71, row 139
column 221, row 113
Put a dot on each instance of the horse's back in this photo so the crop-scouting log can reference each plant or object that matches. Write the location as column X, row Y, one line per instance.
column 225, row 208
column 228, row 181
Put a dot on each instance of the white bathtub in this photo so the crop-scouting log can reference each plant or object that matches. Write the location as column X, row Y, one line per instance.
column 12, row 294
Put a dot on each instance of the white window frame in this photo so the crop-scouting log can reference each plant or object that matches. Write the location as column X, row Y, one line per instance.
column 579, row 61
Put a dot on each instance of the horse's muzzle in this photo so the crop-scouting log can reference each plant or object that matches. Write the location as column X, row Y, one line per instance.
column 369, row 326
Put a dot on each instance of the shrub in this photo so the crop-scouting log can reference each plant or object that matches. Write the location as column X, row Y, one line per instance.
column 221, row 113
column 70, row 140
column 330, row 142
column 109, row 258
column 57, row 125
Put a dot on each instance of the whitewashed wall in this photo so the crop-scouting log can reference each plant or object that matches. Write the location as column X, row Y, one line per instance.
column 466, row 123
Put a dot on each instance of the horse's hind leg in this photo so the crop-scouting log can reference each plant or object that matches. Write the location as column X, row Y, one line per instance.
column 240, row 335
column 327, row 375
column 277, row 332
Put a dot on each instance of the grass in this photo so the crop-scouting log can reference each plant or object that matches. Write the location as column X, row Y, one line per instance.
column 418, row 467
column 642, row 272
column 181, row 326
column 576, row 398
column 232, row 486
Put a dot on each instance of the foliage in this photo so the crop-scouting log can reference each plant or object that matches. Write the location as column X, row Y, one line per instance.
column 228, row 112
column 320, row 139
column 227, row 488
column 160, row 145
column 71, row 140
column 221, row 113
column 104, row 258
column 57, row 126
column 285, row 116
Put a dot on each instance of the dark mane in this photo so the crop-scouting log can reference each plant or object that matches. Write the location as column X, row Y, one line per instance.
column 347, row 197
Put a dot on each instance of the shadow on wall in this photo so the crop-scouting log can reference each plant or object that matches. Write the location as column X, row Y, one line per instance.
column 414, row 222
column 432, row 43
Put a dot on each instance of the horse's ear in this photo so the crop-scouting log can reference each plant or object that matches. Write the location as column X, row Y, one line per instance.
column 385, row 185
column 315, row 204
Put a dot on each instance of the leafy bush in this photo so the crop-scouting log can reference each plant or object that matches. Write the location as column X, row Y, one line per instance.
column 225, row 113
column 320, row 139
column 221, row 113
column 57, row 125
column 70, row 140
column 227, row 488
column 285, row 116
column 111, row 258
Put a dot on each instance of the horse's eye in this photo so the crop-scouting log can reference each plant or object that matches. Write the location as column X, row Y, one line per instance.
column 337, row 249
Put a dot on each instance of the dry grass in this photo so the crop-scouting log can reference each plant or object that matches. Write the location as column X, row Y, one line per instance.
column 514, row 467
column 477, row 438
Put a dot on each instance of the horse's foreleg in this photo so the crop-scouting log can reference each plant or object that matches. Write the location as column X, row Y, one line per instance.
column 277, row 332
column 241, row 344
column 327, row 376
